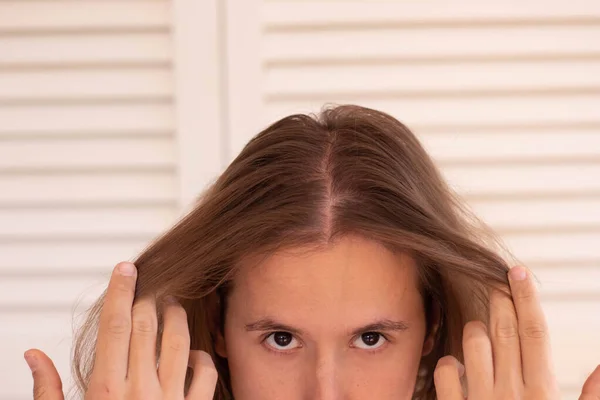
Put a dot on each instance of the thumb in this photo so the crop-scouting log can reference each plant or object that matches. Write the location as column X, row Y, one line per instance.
column 591, row 387
column 46, row 381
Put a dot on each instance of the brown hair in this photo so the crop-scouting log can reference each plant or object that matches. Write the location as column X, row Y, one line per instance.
column 310, row 180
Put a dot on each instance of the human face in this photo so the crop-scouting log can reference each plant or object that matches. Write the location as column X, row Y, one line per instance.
column 342, row 323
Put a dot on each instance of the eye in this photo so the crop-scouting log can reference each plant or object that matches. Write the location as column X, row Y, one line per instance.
column 282, row 341
column 369, row 341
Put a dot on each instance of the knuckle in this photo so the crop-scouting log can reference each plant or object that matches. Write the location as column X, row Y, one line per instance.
column 123, row 286
column 526, row 294
column 118, row 325
column 39, row 392
column 144, row 324
column 506, row 331
column 534, row 330
column 177, row 342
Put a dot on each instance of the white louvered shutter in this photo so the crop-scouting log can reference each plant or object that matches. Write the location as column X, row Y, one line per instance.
column 505, row 96
column 87, row 161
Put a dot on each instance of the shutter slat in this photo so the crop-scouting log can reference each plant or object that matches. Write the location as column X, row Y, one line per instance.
column 568, row 281
column 300, row 14
column 46, row 51
column 534, row 179
column 61, row 292
column 435, row 78
column 99, row 84
column 93, row 188
column 64, row 15
column 555, row 247
column 550, row 214
column 406, row 44
column 84, row 119
column 146, row 221
column 98, row 154
column 50, row 257
column 454, row 146
column 501, row 110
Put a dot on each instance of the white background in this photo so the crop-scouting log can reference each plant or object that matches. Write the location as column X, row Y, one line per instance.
column 114, row 115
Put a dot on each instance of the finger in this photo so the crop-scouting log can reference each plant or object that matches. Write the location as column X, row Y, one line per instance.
column 142, row 351
column 478, row 360
column 175, row 348
column 46, row 381
column 114, row 328
column 591, row 387
column 504, row 334
column 446, row 378
column 205, row 377
column 533, row 331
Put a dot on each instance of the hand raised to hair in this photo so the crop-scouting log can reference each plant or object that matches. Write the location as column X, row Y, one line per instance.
column 125, row 363
column 513, row 360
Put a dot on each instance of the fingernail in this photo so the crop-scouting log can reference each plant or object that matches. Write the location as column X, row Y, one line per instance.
column 126, row 269
column 517, row 273
column 31, row 361
column 170, row 300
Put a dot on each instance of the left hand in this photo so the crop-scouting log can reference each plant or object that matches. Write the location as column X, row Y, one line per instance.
column 513, row 360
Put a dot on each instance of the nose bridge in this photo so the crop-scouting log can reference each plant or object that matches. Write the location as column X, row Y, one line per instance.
column 327, row 374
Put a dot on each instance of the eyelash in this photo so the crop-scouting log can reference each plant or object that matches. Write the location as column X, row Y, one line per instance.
column 275, row 351
column 378, row 349
column 283, row 352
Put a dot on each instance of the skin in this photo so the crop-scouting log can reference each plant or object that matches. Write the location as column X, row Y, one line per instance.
column 324, row 296
column 324, row 301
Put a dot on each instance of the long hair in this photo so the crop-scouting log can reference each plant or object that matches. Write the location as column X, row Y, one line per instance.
column 309, row 180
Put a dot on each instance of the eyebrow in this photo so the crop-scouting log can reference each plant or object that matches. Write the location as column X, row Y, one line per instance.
column 385, row 325
column 269, row 324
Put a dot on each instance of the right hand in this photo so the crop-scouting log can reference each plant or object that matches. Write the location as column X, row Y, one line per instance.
column 512, row 360
column 125, row 363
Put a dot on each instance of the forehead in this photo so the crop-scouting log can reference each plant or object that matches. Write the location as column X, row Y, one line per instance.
column 352, row 276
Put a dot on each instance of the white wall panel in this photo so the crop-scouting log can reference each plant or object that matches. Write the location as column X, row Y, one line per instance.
column 504, row 96
column 88, row 162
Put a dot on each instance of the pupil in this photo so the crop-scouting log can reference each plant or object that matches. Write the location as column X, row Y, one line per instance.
column 282, row 338
column 370, row 338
